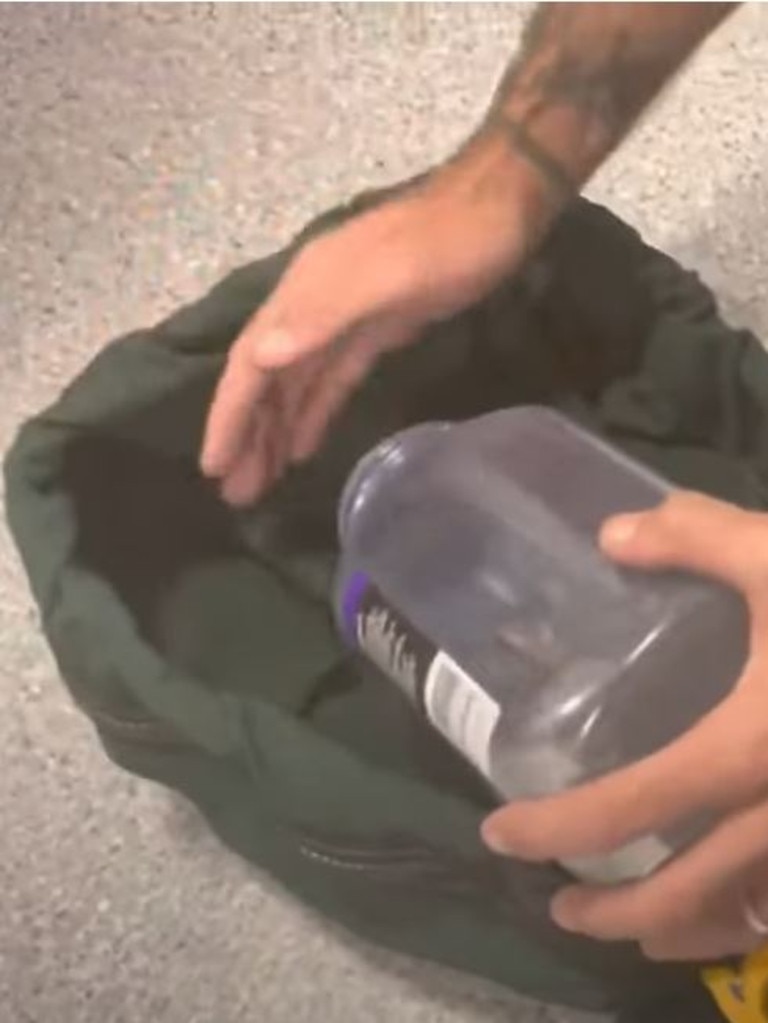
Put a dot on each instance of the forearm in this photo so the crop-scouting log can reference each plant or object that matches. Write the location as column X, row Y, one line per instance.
column 584, row 74
column 586, row 71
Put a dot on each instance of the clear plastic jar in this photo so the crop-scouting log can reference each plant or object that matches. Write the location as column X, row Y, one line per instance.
column 471, row 575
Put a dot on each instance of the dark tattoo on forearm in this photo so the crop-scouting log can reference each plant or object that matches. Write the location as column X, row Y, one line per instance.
column 522, row 142
column 601, row 64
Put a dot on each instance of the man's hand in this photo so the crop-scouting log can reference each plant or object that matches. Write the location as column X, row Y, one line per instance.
column 694, row 907
column 370, row 286
column 584, row 74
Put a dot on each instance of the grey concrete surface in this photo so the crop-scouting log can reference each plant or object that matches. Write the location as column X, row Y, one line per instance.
column 143, row 151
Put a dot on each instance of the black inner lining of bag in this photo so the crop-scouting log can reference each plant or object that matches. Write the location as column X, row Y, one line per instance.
column 192, row 586
column 241, row 601
column 152, row 527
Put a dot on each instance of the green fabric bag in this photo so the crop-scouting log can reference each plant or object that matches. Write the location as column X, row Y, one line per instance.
column 199, row 640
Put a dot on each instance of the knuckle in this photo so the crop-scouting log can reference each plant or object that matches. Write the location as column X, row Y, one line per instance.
column 656, row 949
column 640, row 918
column 759, row 553
column 650, row 915
column 676, row 511
column 311, row 253
column 759, row 588
column 514, row 834
column 673, row 911
column 305, row 270
column 749, row 734
column 303, row 266
column 241, row 352
column 612, row 923
column 539, row 837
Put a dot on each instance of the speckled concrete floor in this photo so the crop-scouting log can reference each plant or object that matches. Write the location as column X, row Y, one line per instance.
column 145, row 149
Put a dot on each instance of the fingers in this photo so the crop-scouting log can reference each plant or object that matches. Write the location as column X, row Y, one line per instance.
column 289, row 329
column 264, row 451
column 690, row 531
column 305, row 313
column 259, row 424
column 722, row 929
column 230, row 418
column 242, row 384
column 340, row 377
column 334, row 283
column 247, row 479
column 720, row 765
column 648, row 795
column 701, row 942
column 313, row 306
column 694, row 532
column 678, row 894
column 331, row 392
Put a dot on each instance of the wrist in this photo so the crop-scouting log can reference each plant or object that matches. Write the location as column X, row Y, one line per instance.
column 507, row 184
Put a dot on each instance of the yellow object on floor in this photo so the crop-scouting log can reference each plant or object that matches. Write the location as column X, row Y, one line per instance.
column 741, row 992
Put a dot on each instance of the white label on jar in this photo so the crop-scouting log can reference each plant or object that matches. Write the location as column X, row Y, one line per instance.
column 632, row 862
column 459, row 708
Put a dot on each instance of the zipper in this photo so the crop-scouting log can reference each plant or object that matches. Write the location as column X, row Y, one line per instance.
column 144, row 731
column 403, row 863
column 399, row 863
column 328, row 856
column 416, row 869
column 158, row 735
column 408, row 867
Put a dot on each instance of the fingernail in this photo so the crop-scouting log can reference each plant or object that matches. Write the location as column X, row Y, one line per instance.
column 565, row 922
column 275, row 344
column 302, row 451
column 619, row 531
column 211, row 463
column 564, row 913
column 494, row 837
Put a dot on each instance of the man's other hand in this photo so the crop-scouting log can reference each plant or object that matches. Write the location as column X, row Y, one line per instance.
column 694, row 907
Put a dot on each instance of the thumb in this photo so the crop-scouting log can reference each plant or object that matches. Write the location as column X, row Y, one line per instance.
column 691, row 531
